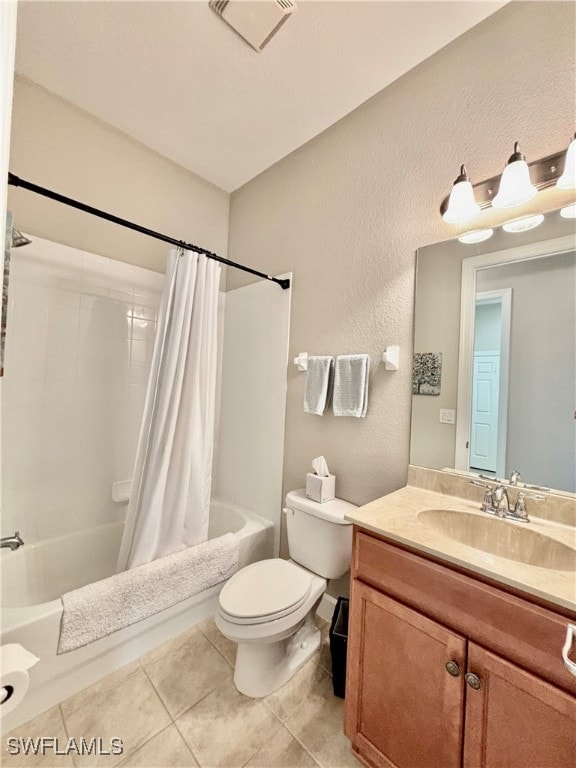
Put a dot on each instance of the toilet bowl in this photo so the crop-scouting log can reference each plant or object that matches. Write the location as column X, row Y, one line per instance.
column 268, row 608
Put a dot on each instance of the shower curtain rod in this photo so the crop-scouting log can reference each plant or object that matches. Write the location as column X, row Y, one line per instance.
column 16, row 181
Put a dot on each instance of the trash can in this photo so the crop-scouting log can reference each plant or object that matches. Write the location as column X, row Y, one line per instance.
column 338, row 645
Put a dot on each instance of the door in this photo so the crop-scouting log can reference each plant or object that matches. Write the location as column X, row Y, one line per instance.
column 485, row 402
column 514, row 719
column 403, row 707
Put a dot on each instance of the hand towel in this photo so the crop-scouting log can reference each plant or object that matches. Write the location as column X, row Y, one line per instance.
column 318, row 382
column 351, row 385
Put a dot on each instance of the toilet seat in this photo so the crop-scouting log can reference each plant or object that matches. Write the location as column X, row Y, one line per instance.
column 264, row 591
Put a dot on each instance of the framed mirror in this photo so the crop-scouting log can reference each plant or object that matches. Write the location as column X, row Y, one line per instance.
column 494, row 377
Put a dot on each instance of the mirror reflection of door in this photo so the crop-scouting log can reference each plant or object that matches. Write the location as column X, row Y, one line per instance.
column 488, row 416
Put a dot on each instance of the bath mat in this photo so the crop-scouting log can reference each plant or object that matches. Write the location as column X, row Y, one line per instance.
column 98, row 609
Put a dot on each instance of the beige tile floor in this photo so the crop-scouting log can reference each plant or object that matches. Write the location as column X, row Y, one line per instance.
column 177, row 706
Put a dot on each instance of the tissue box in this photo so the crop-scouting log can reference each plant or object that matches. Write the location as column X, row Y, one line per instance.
column 320, row 488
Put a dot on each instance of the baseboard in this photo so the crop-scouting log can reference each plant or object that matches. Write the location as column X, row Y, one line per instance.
column 326, row 607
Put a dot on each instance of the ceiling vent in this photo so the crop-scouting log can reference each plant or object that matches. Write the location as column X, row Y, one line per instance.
column 257, row 21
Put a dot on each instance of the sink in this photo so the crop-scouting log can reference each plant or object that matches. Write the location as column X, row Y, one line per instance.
column 501, row 538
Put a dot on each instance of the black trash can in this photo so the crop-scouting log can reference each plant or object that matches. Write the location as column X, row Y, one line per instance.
column 338, row 645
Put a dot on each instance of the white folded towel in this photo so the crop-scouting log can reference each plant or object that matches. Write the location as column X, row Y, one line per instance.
column 351, row 385
column 100, row 608
column 318, row 381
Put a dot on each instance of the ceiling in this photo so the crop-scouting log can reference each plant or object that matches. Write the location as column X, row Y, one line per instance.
column 178, row 79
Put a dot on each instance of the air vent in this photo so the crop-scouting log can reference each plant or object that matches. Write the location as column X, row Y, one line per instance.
column 257, row 21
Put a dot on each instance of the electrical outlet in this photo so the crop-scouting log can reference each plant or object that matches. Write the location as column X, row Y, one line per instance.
column 447, row 416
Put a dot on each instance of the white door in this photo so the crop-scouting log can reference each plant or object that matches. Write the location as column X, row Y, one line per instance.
column 485, row 401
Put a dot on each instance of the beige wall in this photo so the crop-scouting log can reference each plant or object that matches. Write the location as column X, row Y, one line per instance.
column 58, row 146
column 347, row 211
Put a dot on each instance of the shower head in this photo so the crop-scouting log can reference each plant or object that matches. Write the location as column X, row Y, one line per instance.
column 18, row 239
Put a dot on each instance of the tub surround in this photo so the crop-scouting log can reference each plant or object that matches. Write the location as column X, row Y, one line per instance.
column 395, row 517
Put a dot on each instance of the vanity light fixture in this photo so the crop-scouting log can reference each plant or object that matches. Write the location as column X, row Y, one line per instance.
column 476, row 236
column 518, row 183
column 569, row 212
column 461, row 206
column 515, row 185
column 568, row 178
column 524, row 223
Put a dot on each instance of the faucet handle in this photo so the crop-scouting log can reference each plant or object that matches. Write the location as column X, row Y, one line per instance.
column 520, row 511
column 488, row 501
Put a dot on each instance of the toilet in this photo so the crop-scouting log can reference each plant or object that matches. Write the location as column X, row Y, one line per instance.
column 268, row 607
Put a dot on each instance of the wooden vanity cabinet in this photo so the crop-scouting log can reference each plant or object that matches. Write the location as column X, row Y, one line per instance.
column 413, row 642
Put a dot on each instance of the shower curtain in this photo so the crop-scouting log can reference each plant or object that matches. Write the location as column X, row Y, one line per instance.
column 170, row 497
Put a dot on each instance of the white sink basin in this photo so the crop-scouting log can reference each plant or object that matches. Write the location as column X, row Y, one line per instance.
column 501, row 538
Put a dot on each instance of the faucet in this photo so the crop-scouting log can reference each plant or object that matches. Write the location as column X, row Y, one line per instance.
column 501, row 502
column 14, row 542
column 496, row 502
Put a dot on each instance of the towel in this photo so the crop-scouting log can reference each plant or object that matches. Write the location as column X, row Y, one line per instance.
column 351, row 385
column 100, row 608
column 318, row 381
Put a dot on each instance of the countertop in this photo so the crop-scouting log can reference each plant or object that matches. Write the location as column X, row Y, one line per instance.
column 395, row 517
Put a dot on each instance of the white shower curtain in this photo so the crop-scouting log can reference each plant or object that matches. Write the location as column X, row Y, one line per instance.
column 170, row 497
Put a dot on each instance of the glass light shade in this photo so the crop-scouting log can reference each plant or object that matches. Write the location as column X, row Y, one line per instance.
column 515, row 186
column 568, row 178
column 461, row 206
column 569, row 212
column 476, row 236
column 523, row 224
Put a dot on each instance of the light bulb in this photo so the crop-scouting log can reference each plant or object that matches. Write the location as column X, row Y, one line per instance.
column 515, row 185
column 569, row 212
column 568, row 178
column 461, row 205
column 476, row 236
column 524, row 223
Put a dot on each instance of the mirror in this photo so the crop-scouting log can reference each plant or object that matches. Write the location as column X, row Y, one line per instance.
column 494, row 372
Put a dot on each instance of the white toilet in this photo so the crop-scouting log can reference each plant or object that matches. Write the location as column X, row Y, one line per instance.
column 268, row 607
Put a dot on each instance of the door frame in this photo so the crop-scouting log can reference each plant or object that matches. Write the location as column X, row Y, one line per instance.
column 502, row 296
column 467, row 311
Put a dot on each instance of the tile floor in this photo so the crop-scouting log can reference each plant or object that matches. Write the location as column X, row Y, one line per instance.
column 177, row 706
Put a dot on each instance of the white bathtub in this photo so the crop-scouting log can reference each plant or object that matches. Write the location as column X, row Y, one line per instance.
column 35, row 576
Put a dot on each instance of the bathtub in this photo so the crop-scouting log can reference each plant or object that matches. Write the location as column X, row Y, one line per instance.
column 35, row 576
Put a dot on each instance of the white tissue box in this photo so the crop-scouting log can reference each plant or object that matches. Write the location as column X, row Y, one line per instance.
column 320, row 489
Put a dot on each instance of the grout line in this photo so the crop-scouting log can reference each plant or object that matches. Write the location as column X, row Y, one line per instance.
column 185, row 742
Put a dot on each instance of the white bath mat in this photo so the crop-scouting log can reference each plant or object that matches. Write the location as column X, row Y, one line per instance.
column 105, row 606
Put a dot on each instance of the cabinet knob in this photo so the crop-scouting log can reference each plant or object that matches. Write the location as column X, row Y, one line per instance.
column 452, row 668
column 473, row 681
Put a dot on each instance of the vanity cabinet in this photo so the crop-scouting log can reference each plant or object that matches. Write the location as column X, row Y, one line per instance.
column 447, row 671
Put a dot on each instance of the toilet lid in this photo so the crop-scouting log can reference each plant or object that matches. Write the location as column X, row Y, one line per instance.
column 265, row 589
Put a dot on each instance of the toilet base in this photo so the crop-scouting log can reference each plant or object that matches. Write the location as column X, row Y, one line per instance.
column 262, row 668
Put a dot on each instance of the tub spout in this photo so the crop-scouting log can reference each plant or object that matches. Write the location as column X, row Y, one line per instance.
column 14, row 542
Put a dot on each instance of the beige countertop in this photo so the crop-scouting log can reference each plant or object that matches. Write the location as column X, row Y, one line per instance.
column 395, row 517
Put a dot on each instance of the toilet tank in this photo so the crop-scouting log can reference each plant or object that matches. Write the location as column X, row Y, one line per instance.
column 318, row 536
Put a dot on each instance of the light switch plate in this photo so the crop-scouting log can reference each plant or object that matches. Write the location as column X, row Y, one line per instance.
column 447, row 416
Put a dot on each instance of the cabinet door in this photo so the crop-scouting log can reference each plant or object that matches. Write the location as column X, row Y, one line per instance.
column 403, row 708
column 516, row 720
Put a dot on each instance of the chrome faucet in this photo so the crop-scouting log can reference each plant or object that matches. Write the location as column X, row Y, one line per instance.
column 496, row 502
column 501, row 502
column 14, row 542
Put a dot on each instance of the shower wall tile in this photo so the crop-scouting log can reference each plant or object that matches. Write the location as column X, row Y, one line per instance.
column 78, row 349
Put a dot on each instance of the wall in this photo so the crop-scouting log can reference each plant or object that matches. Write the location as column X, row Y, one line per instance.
column 58, row 146
column 347, row 211
column 541, row 438
column 80, row 337
column 250, row 437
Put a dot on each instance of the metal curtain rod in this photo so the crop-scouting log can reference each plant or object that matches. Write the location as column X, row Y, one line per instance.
column 16, row 181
